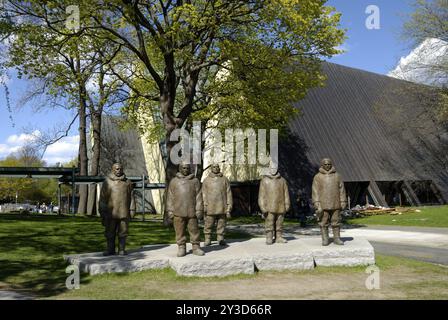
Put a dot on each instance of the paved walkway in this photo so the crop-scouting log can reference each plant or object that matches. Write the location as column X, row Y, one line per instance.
column 401, row 236
column 427, row 254
column 12, row 295
column 420, row 243
column 412, row 229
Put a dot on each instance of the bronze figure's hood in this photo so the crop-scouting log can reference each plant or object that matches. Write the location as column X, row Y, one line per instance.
column 275, row 176
column 115, row 178
column 181, row 176
column 213, row 175
column 323, row 171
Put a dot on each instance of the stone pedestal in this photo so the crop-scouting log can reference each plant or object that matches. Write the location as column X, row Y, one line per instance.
column 293, row 255
column 239, row 257
column 357, row 252
column 136, row 260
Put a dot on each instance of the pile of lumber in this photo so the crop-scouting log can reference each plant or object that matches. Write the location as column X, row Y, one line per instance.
column 371, row 210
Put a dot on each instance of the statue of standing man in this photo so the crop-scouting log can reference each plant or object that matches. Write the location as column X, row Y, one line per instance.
column 329, row 199
column 184, row 206
column 116, row 207
column 218, row 203
column 273, row 200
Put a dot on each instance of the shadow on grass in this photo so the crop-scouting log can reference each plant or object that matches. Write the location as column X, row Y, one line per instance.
column 39, row 278
column 350, row 225
column 32, row 247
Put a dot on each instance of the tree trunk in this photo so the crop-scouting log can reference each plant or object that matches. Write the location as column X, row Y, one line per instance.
column 170, row 173
column 167, row 106
column 201, row 169
column 91, row 200
column 95, row 161
column 83, row 161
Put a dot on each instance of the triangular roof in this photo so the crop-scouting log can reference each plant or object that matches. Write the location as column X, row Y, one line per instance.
column 365, row 123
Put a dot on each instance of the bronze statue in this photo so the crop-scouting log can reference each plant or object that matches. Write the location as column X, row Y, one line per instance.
column 217, row 198
column 184, row 207
column 116, row 207
column 273, row 200
column 328, row 200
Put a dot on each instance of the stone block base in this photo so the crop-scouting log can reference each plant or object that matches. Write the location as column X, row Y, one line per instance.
column 239, row 257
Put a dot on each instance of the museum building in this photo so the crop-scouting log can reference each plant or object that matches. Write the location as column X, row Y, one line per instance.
column 381, row 133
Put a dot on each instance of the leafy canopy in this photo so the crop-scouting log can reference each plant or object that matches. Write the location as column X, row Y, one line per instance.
column 241, row 62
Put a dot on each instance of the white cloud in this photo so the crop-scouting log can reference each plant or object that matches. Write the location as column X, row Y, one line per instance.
column 4, row 149
column 14, row 142
column 425, row 64
column 5, row 79
column 345, row 47
column 62, row 151
column 23, row 138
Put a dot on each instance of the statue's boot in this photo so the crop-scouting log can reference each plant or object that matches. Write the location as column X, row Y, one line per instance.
column 279, row 237
column 122, row 247
column 181, row 251
column 208, row 240
column 197, row 250
column 325, row 237
column 110, row 247
column 269, row 237
column 337, row 236
column 221, row 241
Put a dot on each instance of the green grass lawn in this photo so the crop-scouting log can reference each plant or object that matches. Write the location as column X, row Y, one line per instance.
column 436, row 216
column 257, row 219
column 235, row 220
column 31, row 261
column 32, row 246
column 422, row 281
column 428, row 217
column 254, row 219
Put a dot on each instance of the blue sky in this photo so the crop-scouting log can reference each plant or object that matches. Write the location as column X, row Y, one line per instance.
column 377, row 51
column 373, row 50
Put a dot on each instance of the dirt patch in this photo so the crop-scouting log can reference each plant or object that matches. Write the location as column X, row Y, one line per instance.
column 399, row 283
column 395, row 283
column 290, row 286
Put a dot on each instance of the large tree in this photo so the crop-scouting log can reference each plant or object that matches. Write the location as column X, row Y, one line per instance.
column 271, row 50
column 177, row 49
column 71, row 69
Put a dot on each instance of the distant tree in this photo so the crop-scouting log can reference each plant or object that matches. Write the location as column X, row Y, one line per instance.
column 29, row 156
column 428, row 24
column 68, row 66
column 70, row 164
column 429, row 20
column 419, row 108
column 26, row 189
column 10, row 187
column 29, row 189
